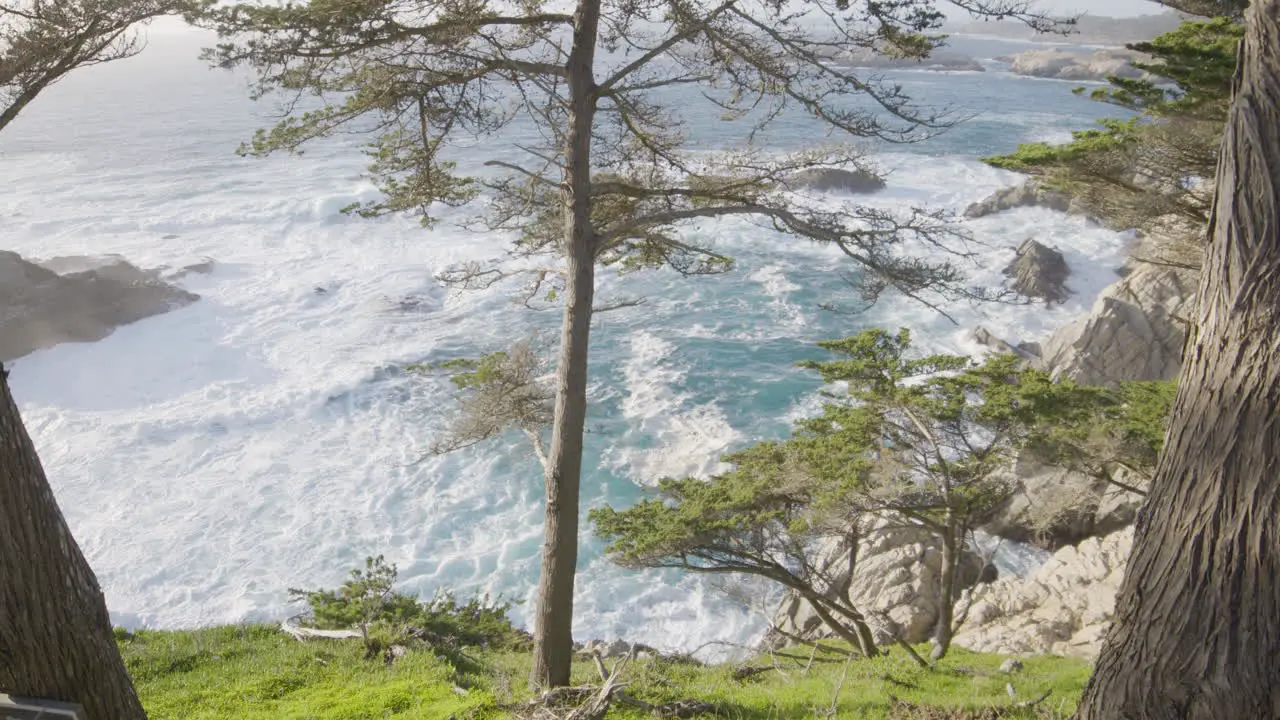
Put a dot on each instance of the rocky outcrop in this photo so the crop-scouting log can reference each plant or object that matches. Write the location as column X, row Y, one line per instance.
column 1028, row 351
column 896, row 583
column 1039, row 272
column 1134, row 331
column 938, row 61
column 1061, row 64
column 1028, row 194
column 835, row 180
column 75, row 299
column 1063, row 608
column 1054, row 506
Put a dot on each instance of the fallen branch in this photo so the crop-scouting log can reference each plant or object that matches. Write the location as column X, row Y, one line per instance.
column 747, row 671
column 302, row 634
column 1033, row 703
column 675, row 709
column 596, row 707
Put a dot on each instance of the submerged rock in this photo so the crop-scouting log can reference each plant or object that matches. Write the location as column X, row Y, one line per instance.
column 1063, row 608
column 1039, row 272
column 75, row 299
column 835, row 180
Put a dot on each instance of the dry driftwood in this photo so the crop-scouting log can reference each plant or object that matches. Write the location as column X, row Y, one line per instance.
column 295, row 628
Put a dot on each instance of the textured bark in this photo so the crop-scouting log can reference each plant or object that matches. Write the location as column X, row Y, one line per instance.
column 947, row 593
column 1197, row 629
column 553, row 626
column 55, row 633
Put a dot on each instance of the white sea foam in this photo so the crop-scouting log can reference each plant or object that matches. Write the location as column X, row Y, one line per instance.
column 265, row 437
column 688, row 437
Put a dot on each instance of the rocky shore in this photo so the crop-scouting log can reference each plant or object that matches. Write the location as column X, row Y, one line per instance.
column 1134, row 331
column 80, row 299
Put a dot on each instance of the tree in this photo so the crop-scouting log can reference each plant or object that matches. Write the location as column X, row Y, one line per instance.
column 41, row 41
column 501, row 391
column 1197, row 625
column 56, row 639
column 1114, row 435
column 612, row 180
column 917, row 441
column 1151, row 171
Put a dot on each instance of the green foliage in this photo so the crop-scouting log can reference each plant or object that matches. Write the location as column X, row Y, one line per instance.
column 498, row 392
column 1199, row 58
column 259, row 673
column 368, row 601
column 1144, row 413
column 1141, row 172
column 921, row 440
column 1105, row 430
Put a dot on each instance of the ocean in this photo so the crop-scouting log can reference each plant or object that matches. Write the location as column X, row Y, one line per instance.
column 267, row 437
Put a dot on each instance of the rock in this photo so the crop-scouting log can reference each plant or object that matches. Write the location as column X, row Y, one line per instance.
column 204, row 267
column 1135, row 330
column 75, row 299
column 835, row 180
column 1063, row 608
column 985, row 337
column 1066, row 65
column 615, row 649
column 1012, row 665
column 1028, row 194
column 1030, row 348
column 896, row 581
column 1054, row 507
column 1039, row 272
column 938, row 61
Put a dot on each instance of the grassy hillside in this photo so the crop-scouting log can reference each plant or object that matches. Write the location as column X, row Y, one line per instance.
column 259, row 673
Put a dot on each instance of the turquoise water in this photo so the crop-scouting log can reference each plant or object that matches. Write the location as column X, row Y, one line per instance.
column 264, row 438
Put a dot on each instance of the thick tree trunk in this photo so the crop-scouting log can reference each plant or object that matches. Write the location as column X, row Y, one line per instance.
column 946, row 593
column 1197, row 629
column 55, row 634
column 553, row 629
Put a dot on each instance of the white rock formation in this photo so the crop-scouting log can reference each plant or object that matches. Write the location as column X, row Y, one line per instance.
column 897, row 578
column 1028, row 194
column 1066, row 65
column 1063, row 608
column 1055, row 507
column 1134, row 331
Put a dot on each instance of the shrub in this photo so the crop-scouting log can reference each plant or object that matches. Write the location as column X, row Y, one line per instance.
column 369, row 603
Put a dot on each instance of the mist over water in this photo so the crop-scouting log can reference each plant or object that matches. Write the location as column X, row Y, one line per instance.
column 266, row 437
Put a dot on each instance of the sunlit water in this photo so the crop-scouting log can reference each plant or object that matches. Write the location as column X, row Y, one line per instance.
column 265, row 437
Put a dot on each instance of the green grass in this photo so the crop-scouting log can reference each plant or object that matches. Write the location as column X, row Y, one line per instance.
column 257, row 672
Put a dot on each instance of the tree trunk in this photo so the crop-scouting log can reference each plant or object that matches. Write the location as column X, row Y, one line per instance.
column 860, row 636
column 946, row 592
column 1197, row 628
column 553, row 629
column 55, row 633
